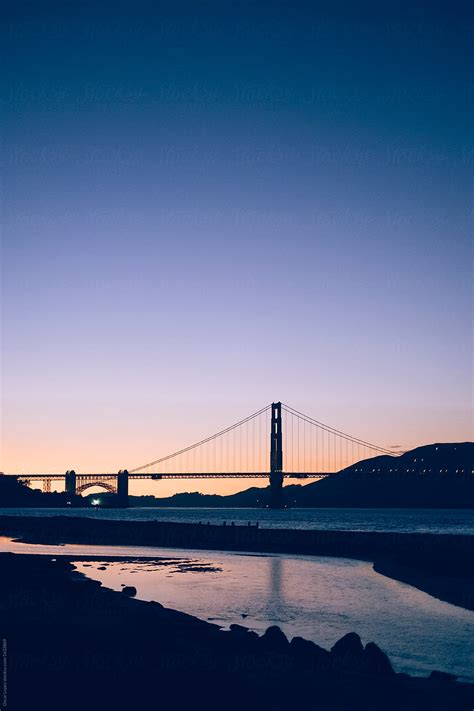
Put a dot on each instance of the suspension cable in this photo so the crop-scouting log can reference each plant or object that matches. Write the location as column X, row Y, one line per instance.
column 334, row 431
column 201, row 442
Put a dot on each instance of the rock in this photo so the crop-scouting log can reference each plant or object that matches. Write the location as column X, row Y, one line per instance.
column 375, row 661
column 274, row 640
column 301, row 647
column 442, row 676
column 348, row 653
column 129, row 590
column 244, row 639
column 101, row 567
column 156, row 605
column 239, row 629
column 309, row 654
column 350, row 644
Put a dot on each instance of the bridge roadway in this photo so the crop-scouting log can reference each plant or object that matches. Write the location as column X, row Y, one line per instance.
column 177, row 475
column 118, row 483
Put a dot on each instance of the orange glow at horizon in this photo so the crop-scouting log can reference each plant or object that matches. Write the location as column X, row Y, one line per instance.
column 234, row 452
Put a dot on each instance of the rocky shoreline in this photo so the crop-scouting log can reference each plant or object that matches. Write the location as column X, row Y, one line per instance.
column 74, row 644
column 435, row 563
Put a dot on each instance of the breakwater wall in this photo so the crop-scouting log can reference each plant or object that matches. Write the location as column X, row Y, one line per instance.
column 452, row 551
column 438, row 564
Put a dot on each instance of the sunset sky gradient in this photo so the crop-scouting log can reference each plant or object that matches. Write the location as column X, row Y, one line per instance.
column 212, row 206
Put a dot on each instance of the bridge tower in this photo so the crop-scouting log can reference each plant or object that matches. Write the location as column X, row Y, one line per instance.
column 122, row 488
column 70, row 482
column 276, row 458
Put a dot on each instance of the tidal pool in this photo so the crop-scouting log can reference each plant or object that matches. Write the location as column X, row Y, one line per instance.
column 314, row 597
column 319, row 598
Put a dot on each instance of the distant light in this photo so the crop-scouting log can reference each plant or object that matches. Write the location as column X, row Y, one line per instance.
column 95, row 502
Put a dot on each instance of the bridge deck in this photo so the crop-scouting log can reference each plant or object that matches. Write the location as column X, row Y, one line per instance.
column 178, row 475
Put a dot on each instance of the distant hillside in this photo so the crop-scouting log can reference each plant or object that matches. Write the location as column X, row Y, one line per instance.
column 432, row 476
column 250, row 498
column 14, row 493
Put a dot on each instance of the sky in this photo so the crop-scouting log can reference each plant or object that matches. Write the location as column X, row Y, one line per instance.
column 211, row 206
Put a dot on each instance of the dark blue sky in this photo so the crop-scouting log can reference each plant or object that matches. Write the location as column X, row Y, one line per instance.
column 217, row 205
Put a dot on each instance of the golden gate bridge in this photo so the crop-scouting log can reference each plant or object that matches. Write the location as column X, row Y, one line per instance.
column 277, row 442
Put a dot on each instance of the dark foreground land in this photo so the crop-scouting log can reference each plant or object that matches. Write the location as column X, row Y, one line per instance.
column 72, row 644
column 440, row 565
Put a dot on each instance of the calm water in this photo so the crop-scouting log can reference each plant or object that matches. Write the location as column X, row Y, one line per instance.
column 315, row 597
column 399, row 520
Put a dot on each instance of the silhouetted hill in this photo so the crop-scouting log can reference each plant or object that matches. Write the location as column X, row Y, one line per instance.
column 14, row 493
column 432, row 476
column 253, row 497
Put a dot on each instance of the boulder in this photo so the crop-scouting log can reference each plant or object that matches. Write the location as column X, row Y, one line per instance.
column 348, row 653
column 375, row 661
column 301, row 648
column 239, row 629
column 309, row 654
column 350, row 645
column 129, row 590
column 156, row 605
column 243, row 641
column 442, row 676
column 274, row 640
